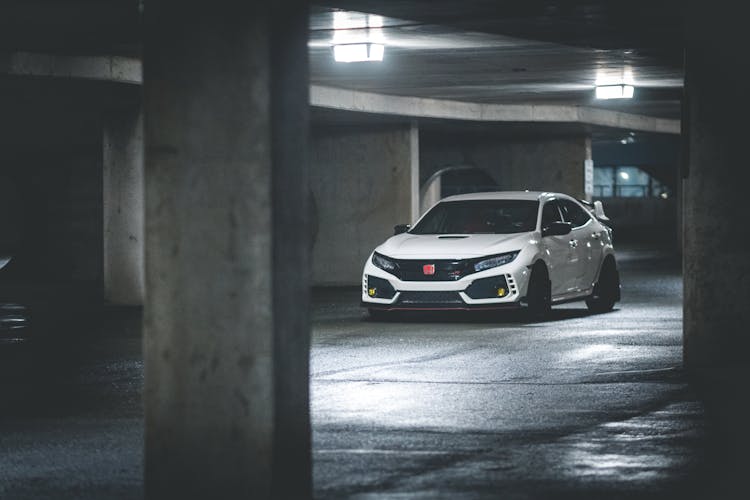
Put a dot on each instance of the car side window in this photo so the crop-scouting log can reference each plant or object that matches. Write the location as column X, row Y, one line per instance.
column 574, row 214
column 550, row 214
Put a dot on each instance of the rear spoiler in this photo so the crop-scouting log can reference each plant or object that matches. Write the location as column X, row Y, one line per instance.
column 596, row 208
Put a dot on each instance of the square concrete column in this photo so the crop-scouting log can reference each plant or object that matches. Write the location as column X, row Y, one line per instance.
column 716, row 260
column 414, row 167
column 227, row 251
column 122, row 197
column 715, row 203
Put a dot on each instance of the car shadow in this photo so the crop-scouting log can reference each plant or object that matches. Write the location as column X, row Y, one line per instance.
column 511, row 317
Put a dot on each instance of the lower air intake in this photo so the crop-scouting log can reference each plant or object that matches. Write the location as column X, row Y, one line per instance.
column 430, row 298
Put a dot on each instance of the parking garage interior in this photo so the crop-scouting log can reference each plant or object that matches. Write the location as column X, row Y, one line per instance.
column 188, row 194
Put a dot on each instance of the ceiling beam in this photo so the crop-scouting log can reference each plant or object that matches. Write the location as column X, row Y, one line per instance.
column 118, row 69
column 128, row 70
column 419, row 107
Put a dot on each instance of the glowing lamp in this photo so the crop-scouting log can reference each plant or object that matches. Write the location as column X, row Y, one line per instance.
column 614, row 92
column 358, row 52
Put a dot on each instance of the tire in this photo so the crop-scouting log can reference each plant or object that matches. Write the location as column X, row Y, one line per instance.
column 607, row 289
column 539, row 294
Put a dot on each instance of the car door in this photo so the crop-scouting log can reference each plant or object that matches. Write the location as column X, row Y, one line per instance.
column 583, row 241
column 561, row 259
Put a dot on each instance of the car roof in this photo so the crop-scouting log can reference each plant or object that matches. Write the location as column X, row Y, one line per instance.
column 504, row 195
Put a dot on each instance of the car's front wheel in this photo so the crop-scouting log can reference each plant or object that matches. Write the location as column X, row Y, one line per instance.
column 539, row 293
column 606, row 290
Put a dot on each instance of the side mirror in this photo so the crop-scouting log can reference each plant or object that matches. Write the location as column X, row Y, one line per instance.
column 557, row 229
column 401, row 228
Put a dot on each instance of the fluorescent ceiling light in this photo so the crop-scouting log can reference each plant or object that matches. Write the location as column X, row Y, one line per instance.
column 358, row 52
column 615, row 76
column 355, row 27
column 357, row 37
column 614, row 92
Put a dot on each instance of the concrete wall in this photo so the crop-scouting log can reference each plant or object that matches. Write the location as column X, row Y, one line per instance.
column 533, row 164
column 361, row 185
column 58, row 214
column 51, row 153
column 643, row 220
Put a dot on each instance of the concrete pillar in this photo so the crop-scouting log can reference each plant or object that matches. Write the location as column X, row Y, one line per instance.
column 292, row 269
column 588, row 169
column 716, row 261
column 678, row 244
column 362, row 181
column 122, row 196
column 414, row 167
column 715, row 208
column 226, row 312
column 430, row 193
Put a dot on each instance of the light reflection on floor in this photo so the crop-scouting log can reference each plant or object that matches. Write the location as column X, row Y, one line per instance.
column 636, row 449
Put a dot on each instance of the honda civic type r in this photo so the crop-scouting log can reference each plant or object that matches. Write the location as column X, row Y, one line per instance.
column 497, row 250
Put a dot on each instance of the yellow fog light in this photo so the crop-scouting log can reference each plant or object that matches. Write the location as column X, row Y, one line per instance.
column 501, row 292
column 372, row 291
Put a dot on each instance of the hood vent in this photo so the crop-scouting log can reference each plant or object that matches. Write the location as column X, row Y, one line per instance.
column 452, row 237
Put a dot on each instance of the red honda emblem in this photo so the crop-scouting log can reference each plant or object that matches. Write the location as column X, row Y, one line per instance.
column 428, row 269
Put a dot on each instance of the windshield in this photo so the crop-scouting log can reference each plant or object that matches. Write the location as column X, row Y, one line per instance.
column 479, row 217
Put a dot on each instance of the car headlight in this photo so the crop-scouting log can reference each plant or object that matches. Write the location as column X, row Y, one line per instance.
column 495, row 261
column 384, row 263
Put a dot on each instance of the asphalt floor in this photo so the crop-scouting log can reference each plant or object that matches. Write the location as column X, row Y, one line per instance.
column 426, row 406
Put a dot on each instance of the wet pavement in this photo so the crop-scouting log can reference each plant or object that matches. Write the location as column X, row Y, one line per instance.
column 462, row 406
column 436, row 406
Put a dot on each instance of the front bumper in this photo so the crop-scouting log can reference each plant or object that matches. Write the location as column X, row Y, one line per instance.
column 476, row 291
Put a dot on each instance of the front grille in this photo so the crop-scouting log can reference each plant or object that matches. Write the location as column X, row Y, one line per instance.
column 430, row 298
column 445, row 270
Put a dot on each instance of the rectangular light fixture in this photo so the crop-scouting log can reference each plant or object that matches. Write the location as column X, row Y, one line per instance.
column 358, row 52
column 614, row 92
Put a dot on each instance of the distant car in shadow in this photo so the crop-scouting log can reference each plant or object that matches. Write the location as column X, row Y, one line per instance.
column 496, row 250
column 45, row 310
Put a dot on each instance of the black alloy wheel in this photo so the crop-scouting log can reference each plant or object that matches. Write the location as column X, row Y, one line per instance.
column 606, row 290
column 539, row 294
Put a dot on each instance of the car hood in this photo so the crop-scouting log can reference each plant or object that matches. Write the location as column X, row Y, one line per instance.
column 451, row 246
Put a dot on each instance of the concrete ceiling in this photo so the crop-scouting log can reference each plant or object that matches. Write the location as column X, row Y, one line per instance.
column 497, row 52
column 486, row 51
column 72, row 27
column 651, row 27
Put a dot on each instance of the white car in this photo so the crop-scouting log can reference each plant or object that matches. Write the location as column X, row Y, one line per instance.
column 493, row 251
